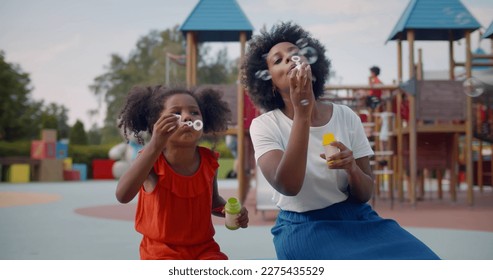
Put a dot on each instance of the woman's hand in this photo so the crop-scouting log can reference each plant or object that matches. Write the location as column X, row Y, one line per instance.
column 301, row 89
column 342, row 160
column 360, row 176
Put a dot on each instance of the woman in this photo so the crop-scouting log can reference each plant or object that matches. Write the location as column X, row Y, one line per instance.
column 323, row 202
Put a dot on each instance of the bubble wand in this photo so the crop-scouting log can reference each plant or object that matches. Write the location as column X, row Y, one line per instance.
column 197, row 124
column 297, row 60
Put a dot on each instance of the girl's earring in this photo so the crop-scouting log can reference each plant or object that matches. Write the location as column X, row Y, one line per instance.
column 273, row 91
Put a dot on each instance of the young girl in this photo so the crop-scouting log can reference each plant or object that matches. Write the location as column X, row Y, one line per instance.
column 175, row 179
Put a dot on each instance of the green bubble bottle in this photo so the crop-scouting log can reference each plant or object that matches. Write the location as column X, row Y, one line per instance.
column 232, row 210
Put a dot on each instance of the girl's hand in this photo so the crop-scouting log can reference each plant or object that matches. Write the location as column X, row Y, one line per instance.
column 342, row 160
column 301, row 89
column 243, row 219
column 162, row 129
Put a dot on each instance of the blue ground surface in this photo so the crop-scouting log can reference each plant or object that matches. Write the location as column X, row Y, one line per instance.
column 53, row 231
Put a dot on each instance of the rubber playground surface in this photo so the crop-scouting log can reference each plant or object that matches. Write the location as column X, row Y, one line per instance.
column 83, row 221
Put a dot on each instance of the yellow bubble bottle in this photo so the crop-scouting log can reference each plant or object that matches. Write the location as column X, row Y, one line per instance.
column 329, row 150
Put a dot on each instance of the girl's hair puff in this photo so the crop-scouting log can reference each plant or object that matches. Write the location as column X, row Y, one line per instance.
column 261, row 91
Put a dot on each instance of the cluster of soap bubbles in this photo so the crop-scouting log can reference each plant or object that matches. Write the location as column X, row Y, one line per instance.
column 305, row 50
column 473, row 87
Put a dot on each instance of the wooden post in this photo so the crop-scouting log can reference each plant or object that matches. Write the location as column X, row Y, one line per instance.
column 194, row 59
column 400, row 144
column 451, row 56
column 399, row 60
column 439, row 180
column 398, row 119
column 453, row 171
column 394, row 163
column 241, row 176
column 455, row 152
column 491, row 149
column 412, row 124
column 469, row 136
column 189, row 58
column 480, row 166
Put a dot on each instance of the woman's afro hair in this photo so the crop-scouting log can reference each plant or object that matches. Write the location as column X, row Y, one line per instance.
column 261, row 91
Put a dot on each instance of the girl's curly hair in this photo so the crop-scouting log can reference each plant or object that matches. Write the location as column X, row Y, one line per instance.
column 259, row 90
column 145, row 104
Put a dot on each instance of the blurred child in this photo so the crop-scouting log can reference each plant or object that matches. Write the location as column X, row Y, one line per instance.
column 374, row 95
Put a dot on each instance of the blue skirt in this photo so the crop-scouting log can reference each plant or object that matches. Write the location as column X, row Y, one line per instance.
column 345, row 231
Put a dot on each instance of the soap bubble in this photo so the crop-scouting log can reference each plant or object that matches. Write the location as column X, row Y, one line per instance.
column 310, row 54
column 302, row 43
column 473, row 87
column 263, row 74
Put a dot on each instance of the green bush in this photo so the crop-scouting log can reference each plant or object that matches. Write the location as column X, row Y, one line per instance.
column 225, row 165
column 226, row 159
column 15, row 149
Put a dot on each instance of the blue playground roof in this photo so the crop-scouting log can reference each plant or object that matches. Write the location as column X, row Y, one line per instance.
column 217, row 21
column 489, row 32
column 434, row 20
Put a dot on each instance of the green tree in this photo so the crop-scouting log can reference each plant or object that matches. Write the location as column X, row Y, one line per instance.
column 15, row 105
column 218, row 69
column 23, row 118
column 146, row 66
column 78, row 135
column 94, row 135
column 56, row 117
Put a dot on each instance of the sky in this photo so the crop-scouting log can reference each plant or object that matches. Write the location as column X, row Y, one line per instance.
column 65, row 44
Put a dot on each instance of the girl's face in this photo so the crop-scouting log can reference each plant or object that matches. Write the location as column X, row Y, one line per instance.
column 280, row 64
column 185, row 106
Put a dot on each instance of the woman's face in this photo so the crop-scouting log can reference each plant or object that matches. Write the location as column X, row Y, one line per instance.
column 280, row 64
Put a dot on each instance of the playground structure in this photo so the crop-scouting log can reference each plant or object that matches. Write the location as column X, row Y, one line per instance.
column 443, row 24
column 437, row 131
column 432, row 132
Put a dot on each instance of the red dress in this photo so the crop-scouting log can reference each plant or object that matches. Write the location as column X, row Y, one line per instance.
column 175, row 218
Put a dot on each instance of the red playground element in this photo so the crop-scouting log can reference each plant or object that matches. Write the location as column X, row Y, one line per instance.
column 71, row 175
column 101, row 169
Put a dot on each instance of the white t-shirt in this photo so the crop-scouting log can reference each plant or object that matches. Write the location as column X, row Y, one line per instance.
column 322, row 187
